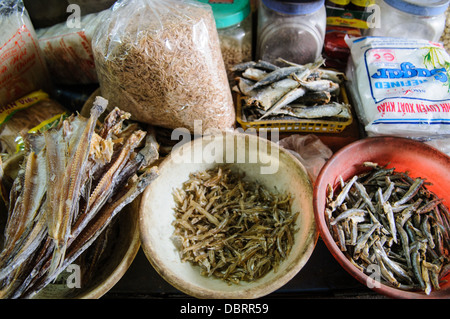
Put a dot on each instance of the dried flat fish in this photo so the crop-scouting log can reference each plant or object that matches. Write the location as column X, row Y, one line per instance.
column 76, row 178
column 232, row 228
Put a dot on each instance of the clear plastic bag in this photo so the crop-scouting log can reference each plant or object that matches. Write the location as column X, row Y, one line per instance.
column 161, row 61
column 22, row 68
column 68, row 52
column 309, row 150
column 28, row 114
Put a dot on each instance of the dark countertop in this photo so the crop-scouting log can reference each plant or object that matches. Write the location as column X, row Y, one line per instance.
column 321, row 277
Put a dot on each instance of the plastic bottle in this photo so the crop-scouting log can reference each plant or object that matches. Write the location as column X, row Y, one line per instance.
column 292, row 30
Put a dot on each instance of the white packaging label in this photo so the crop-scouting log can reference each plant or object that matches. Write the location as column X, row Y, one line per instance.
column 402, row 85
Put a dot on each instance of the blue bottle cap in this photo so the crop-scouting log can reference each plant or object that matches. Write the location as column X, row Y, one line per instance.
column 420, row 7
column 298, row 7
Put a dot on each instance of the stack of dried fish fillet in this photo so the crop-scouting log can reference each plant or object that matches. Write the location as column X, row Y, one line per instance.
column 75, row 178
column 289, row 92
column 387, row 219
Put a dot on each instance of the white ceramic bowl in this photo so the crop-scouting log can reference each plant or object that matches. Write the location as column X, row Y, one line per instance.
column 261, row 160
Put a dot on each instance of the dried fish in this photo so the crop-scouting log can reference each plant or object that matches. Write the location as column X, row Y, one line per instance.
column 234, row 229
column 294, row 91
column 266, row 97
column 333, row 109
column 254, row 74
column 288, row 98
column 76, row 177
column 276, row 75
column 402, row 230
column 320, row 86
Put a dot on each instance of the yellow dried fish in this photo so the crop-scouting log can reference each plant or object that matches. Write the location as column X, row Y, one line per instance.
column 67, row 193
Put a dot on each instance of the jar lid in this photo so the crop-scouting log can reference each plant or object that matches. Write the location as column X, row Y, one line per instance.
column 340, row 2
column 420, row 7
column 228, row 13
column 294, row 6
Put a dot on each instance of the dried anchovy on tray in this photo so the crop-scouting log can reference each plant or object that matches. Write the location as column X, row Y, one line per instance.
column 232, row 228
column 386, row 218
column 289, row 92
column 75, row 178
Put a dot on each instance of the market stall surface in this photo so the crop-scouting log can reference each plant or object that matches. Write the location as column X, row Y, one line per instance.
column 321, row 277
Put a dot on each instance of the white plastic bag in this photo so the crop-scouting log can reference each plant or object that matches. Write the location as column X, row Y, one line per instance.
column 401, row 86
column 22, row 67
column 161, row 61
column 309, row 150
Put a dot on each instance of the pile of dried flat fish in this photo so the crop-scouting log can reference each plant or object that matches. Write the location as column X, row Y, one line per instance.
column 388, row 219
column 74, row 180
column 234, row 229
column 293, row 91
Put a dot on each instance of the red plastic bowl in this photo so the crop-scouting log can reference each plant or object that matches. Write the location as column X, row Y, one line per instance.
column 404, row 154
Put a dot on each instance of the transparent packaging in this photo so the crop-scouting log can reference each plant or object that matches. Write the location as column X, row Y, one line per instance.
column 22, row 68
column 293, row 36
column 236, row 43
column 161, row 61
column 399, row 21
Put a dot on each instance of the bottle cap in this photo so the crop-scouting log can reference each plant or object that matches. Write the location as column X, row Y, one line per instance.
column 420, row 7
column 228, row 13
column 298, row 7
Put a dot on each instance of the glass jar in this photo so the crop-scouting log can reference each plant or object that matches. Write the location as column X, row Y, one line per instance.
column 417, row 19
column 234, row 27
column 292, row 30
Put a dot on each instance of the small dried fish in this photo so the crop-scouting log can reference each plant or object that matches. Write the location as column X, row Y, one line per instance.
column 402, row 231
column 232, row 228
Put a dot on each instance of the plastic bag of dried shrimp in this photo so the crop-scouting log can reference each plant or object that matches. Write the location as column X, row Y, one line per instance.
column 22, row 68
column 161, row 61
column 400, row 86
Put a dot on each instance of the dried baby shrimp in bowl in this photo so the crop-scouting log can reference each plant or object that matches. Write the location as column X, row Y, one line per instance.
column 213, row 232
column 382, row 210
